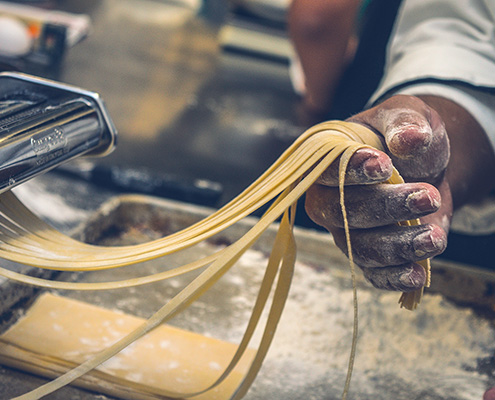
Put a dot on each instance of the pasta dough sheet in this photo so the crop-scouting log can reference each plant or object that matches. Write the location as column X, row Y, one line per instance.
column 58, row 333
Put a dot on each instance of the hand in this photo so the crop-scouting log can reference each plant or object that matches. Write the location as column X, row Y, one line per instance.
column 417, row 145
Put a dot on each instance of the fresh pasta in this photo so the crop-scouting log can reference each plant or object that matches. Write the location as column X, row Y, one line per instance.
column 26, row 239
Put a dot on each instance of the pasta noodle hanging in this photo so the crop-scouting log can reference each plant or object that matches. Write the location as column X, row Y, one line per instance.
column 26, row 239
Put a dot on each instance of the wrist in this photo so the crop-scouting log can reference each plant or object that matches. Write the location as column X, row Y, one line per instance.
column 471, row 166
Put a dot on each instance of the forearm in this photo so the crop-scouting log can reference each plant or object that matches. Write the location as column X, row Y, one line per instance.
column 471, row 169
column 320, row 32
column 440, row 51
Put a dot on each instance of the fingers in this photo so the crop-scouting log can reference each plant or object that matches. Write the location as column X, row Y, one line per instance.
column 371, row 206
column 406, row 278
column 414, row 135
column 393, row 245
column 416, row 143
column 385, row 251
column 387, row 255
column 366, row 166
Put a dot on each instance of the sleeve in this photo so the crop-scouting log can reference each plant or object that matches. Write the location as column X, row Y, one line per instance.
column 446, row 48
column 479, row 103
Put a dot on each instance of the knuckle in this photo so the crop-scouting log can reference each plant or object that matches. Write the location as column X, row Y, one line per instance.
column 322, row 206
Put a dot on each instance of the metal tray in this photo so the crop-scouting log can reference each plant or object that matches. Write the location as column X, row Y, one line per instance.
column 443, row 350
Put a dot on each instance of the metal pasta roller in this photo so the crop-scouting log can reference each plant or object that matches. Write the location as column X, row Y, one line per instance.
column 45, row 123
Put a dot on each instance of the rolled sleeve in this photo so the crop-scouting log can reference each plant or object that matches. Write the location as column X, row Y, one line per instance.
column 441, row 40
column 479, row 103
column 445, row 48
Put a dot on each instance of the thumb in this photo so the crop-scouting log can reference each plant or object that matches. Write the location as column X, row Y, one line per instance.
column 414, row 134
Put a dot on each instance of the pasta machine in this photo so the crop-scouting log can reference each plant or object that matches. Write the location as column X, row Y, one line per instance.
column 44, row 124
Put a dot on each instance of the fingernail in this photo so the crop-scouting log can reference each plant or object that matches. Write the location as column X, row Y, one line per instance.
column 425, row 244
column 421, row 202
column 413, row 279
column 408, row 139
column 377, row 169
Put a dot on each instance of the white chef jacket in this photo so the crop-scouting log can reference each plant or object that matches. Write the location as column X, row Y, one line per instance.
column 447, row 48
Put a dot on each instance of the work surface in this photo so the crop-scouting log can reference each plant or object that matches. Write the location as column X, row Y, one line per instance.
column 182, row 105
column 185, row 107
column 440, row 351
